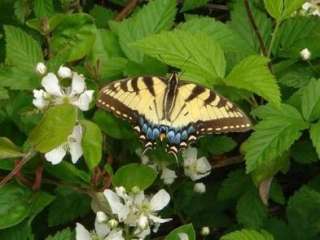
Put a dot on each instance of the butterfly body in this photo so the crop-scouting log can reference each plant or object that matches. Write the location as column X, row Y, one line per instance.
column 176, row 111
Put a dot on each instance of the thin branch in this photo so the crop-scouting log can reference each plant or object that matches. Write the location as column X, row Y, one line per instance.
column 218, row 6
column 131, row 5
column 226, row 162
column 17, row 168
column 255, row 28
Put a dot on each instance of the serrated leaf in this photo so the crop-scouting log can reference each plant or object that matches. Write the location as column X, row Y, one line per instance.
column 65, row 234
column 21, row 231
column 192, row 4
column 247, row 234
column 134, row 175
column 273, row 136
column 17, row 79
column 310, row 101
column 252, row 74
column 22, row 9
column 8, row 149
column 22, row 51
column 315, row 136
column 54, row 128
column 185, row 230
column 154, row 17
column 303, row 210
column 40, row 200
column 14, row 204
column 199, row 57
column 102, row 15
column 43, row 8
column 251, row 215
column 282, row 9
column 91, row 143
column 67, row 206
column 215, row 145
column 83, row 31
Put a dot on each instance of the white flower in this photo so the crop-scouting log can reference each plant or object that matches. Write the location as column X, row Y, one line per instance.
column 311, row 8
column 41, row 68
column 101, row 217
column 306, row 6
column 183, row 236
column 64, row 72
column 193, row 167
column 73, row 145
column 55, row 94
column 199, row 188
column 117, row 204
column 305, row 54
column 168, row 176
column 83, row 234
column 205, row 231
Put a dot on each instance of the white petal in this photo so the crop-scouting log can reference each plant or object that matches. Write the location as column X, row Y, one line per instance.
column 156, row 219
column 101, row 217
column 199, row 188
column 115, row 235
column 116, row 205
column 183, row 236
column 139, row 198
column 189, row 156
column 64, row 72
column 74, row 142
column 143, row 222
column 82, row 233
column 50, row 82
column 159, row 200
column 168, row 176
column 78, row 85
column 41, row 68
column 56, row 155
column 102, row 229
column 142, row 234
column 306, row 6
column 40, row 99
column 203, row 166
column 84, row 100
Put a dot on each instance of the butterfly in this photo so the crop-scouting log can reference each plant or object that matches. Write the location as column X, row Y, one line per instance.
column 171, row 109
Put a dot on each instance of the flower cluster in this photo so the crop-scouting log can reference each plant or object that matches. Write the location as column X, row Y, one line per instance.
column 54, row 94
column 134, row 211
column 311, row 8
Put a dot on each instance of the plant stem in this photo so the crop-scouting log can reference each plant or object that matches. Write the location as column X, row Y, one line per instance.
column 273, row 38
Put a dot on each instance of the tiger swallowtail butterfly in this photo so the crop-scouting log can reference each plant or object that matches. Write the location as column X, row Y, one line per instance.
column 178, row 111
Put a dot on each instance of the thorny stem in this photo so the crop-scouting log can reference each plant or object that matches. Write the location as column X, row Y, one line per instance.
column 18, row 167
column 255, row 28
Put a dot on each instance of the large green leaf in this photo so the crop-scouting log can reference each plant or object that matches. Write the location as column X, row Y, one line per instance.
column 134, row 175
column 282, row 9
column 65, row 234
column 91, row 143
column 17, row 79
column 315, row 136
column 247, row 234
column 199, row 57
column 73, row 37
column 191, row 4
column 184, row 229
column 14, row 204
column 102, row 15
column 252, row 74
column 154, row 17
column 8, row 149
column 43, row 8
column 22, row 51
column 303, row 213
column 54, row 128
column 273, row 136
column 311, row 101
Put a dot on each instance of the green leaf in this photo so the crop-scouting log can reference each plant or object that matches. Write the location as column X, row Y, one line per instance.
column 134, row 174
column 22, row 51
column 14, row 204
column 17, row 79
column 22, row 9
column 192, row 4
column 216, row 145
column 234, row 185
column 65, row 234
column 197, row 55
column 252, row 74
column 247, row 234
column 273, row 136
column 22, row 231
column 315, row 136
column 102, row 15
column 251, row 215
column 91, row 143
column 67, row 206
column 4, row 94
column 154, row 17
column 303, row 152
column 54, row 128
column 8, row 149
column 311, row 101
column 303, row 213
column 40, row 200
column 73, row 37
column 282, row 9
column 184, row 229
column 43, row 8
column 112, row 126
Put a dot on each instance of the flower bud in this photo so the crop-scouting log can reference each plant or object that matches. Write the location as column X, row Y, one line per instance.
column 64, row 72
column 101, row 217
column 205, row 231
column 183, row 236
column 113, row 223
column 41, row 68
column 143, row 222
column 305, row 54
column 199, row 188
column 136, row 189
